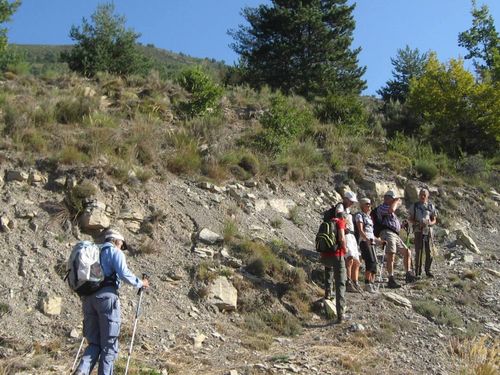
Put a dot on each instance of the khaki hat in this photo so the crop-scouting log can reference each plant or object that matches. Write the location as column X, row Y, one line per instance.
column 365, row 200
column 112, row 234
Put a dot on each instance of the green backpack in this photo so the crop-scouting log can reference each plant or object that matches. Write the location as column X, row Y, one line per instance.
column 326, row 239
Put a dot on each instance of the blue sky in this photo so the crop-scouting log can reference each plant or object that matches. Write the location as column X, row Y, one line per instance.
column 199, row 27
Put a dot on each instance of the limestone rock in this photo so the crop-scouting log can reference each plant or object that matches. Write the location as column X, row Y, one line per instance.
column 260, row 205
column 94, row 219
column 198, row 340
column 379, row 188
column 204, row 252
column 209, row 237
column 330, row 308
column 51, row 305
column 397, row 299
column 282, row 205
column 223, row 294
column 6, row 224
column 465, row 240
column 36, row 178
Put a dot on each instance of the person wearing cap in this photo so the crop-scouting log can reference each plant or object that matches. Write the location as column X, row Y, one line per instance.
column 352, row 254
column 367, row 240
column 334, row 262
column 423, row 216
column 386, row 214
column 101, row 310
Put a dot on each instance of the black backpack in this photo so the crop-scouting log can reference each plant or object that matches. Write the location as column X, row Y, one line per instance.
column 377, row 222
column 326, row 239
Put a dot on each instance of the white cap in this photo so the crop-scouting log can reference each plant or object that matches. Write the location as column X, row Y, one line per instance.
column 365, row 200
column 351, row 196
column 391, row 194
column 339, row 209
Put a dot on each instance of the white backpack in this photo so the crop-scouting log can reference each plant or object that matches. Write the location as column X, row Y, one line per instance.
column 84, row 271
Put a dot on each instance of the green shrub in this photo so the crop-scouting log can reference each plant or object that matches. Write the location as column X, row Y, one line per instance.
column 474, row 166
column 71, row 155
column 283, row 124
column 337, row 109
column 230, row 230
column 440, row 314
column 276, row 223
column 186, row 158
column 293, row 215
column 75, row 197
column 74, row 110
column 426, row 169
column 204, row 93
column 242, row 163
column 301, row 161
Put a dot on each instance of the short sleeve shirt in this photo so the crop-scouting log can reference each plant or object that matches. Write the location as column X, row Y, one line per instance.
column 362, row 217
column 388, row 220
column 422, row 211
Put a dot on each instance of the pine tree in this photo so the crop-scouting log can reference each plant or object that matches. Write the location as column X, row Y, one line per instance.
column 408, row 63
column 482, row 41
column 300, row 46
column 105, row 45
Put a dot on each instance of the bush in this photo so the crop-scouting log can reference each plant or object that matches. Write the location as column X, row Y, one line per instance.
column 186, row 158
column 474, row 166
column 283, row 124
column 337, row 109
column 301, row 161
column 204, row 93
column 426, row 169
column 74, row 110
column 439, row 314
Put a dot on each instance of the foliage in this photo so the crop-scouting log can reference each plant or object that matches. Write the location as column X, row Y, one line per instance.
column 104, row 45
column 407, row 64
column 72, row 110
column 398, row 118
column 341, row 109
column 301, row 161
column 482, row 41
column 7, row 9
column 205, row 93
column 478, row 356
column 461, row 115
column 437, row 313
column 301, row 47
column 283, row 123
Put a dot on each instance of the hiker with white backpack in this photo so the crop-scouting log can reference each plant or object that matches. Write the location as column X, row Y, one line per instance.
column 101, row 303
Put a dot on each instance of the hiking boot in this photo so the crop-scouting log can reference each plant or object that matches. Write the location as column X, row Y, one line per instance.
column 349, row 286
column 410, row 278
column 392, row 284
column 357, row 287
column 430, row 275
column 370, row 288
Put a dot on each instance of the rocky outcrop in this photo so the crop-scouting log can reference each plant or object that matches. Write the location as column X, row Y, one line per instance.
column 466, row 241
column 222, row 294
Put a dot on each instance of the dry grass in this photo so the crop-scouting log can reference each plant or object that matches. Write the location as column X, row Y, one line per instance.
column 479, row 356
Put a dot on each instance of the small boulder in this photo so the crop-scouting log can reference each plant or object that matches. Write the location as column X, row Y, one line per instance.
column 466, row 241
column 209, row 237
column 397, row 299
column 50, row 305
column 223, row 294
column 15, row 175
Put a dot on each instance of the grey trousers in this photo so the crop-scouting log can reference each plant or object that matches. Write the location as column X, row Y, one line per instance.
column 101, row 327
column 423, row 244
column 335, row 270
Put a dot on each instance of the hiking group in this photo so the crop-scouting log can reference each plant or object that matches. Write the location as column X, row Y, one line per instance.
column 344, row 238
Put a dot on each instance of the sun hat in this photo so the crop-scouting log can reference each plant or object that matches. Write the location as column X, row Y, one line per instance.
column 112, row 234
column 351, row 196
column 365, row 200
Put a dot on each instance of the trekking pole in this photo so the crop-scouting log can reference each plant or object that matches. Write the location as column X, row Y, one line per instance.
column 137, row 313
column 77, row 355
column 382, row 264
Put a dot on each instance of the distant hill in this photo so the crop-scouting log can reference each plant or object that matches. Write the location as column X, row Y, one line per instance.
column 43, row 57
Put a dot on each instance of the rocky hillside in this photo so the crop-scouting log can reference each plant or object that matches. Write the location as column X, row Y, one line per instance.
column 211, row 309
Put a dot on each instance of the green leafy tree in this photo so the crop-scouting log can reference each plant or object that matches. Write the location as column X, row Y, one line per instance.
column 459, row 114
column 482, row 40
column 7, row 9
column 300, row 46
column 105, row 45
column 204, row 93
column 407, row 64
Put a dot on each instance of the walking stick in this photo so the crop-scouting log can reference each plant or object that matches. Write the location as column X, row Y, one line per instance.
column 381, row 265
column 77, row 355
column 137, row 313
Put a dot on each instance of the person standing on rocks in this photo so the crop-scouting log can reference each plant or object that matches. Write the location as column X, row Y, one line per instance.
column 423, row 216
column 101, row 310
column 352, row 255
column 334, row 262
column 364, row 224
column 386, row 214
